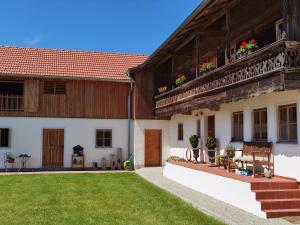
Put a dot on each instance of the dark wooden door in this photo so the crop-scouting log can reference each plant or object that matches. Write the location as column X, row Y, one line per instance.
column 152, row 147
column 53, row 147
column 211, row 126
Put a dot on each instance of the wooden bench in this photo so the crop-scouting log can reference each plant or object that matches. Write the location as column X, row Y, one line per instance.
column 255, row 153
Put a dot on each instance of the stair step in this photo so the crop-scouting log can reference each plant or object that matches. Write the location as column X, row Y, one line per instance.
column 293, row 203
column 274, row 185
column 277, row 194
column 277, row 213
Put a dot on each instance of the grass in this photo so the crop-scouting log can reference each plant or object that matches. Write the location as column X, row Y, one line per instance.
column 86, row 199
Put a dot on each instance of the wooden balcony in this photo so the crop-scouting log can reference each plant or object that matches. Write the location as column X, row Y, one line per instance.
column 11, row 103
column 272, row 68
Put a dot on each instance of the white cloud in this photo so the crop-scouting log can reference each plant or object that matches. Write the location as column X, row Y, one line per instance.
column 32, row 41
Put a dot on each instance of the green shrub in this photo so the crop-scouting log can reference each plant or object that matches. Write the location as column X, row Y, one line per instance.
column 194, row 141
column 211, row 143
column 127, row 165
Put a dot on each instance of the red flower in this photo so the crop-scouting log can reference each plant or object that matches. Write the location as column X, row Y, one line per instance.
column 252, row 41
column 244, row 44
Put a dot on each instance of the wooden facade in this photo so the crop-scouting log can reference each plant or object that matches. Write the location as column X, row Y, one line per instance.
column 82, row 99
column 214, row 33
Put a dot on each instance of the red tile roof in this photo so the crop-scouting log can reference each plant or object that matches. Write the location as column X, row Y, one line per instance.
column 66, row 63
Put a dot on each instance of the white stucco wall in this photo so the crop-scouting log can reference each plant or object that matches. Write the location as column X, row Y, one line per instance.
column 286, row 156
column 139, row 127
column 217, row 187
column 27, row 137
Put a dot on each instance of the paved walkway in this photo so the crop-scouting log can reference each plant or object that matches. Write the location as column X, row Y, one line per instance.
column 218, row 209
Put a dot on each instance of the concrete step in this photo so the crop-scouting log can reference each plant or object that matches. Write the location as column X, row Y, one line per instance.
column 277, row 194
column 293, row 203
column 278, row 213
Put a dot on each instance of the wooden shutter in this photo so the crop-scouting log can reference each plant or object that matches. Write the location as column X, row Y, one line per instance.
column 31, row 95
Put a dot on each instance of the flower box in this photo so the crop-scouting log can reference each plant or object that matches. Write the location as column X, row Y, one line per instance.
column 206, row 67
column 180, row 79
column 162, row 89
column 246, row 48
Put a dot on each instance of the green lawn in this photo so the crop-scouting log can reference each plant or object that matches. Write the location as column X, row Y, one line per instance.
column 71, row 199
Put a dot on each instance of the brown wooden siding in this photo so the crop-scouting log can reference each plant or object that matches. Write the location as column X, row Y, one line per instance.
column 83, row 99
column 143, row 93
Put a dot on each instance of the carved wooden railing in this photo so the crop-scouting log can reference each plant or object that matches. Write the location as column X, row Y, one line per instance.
column 11, row 102
column 270, row 59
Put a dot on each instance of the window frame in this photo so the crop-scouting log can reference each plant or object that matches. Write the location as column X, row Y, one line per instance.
column 96, row 138
column 55, row 88
column 180, row 132
column 241, row 136
column 8, row 137
column 260, row 110
column 287, row 123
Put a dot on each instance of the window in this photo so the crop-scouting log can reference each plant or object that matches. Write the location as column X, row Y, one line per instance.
column 199, row 128
column 103, row 138
column 4, row 137
column 260, row 124
column 180, row 132
column 288, row 123
column 53, row 87
column 238, row 126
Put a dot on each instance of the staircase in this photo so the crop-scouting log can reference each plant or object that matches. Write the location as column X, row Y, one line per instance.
column 278, row 198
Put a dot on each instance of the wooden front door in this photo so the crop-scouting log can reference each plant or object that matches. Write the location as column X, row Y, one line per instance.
column 152, row 147
column 211, row 126
column 53, row 147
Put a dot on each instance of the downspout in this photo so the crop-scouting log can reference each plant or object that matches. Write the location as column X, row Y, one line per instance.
column 129, row 155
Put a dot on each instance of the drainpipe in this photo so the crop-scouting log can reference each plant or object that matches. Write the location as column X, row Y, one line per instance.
column 129, row 155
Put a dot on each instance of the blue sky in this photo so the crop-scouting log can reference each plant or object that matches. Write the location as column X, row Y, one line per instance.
column 133, row 26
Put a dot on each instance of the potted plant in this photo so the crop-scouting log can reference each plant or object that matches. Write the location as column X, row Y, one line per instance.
column 252, row 45
column 211, row 144
column 230, row 151
column 242, row 50
column 247, row 48
column 180, row 79
column 127, row 165
column 194, row 141
column 206, row 67
column 162, row 89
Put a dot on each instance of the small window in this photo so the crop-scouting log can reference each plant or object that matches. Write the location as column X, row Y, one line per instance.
column 53, row 87
column 103, row 138
column 199, row 128
column 180, row 132
column 238, row 126
column 288, row 123
column 260, row 124
column 4, row 137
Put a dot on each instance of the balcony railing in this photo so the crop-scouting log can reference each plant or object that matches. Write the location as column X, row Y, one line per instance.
column 270, row 59
column 11, row 102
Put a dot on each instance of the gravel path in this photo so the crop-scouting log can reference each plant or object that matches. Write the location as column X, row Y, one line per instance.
column 218, row 209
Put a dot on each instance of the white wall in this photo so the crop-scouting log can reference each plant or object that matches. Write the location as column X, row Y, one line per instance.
column 228, row 190
column 139, row 127
column 26, row 137
column 286, row 156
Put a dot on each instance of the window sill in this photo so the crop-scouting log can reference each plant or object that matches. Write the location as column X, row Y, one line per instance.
column 287, row 142
column 100, row 147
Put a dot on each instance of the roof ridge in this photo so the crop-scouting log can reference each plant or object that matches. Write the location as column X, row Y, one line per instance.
column 74, row 50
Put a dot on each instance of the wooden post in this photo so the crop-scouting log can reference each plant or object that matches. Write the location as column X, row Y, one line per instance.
column 291, row 19
column 197, row 55
column 173, row 72
column 228, row 59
